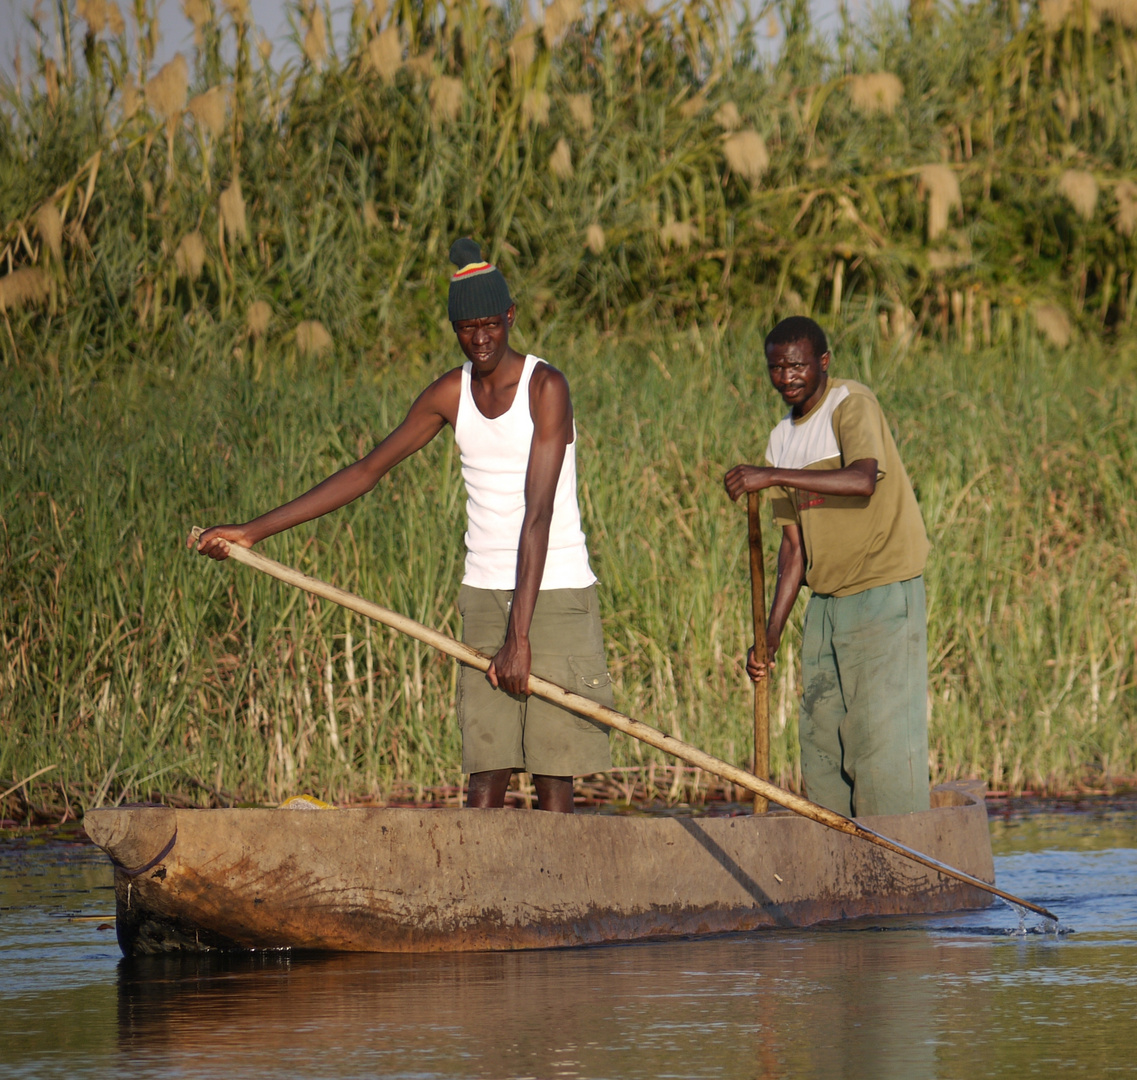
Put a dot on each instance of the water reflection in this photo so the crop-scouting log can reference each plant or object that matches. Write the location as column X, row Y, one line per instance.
column 906, row 1003
column 833, row 1004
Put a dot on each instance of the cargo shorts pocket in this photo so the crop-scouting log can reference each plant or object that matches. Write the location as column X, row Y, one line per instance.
column 590, row 674
column 579, row 601
column 590, row 679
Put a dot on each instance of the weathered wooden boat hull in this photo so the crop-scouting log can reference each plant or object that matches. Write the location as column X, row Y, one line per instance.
column 396, row 880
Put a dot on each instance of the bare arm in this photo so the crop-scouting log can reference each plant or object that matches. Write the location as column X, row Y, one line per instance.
column 432, row 410
column 791, row 576
column 857, row 478
column 552, row 432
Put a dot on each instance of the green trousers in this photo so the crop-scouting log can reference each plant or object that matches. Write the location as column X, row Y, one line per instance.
column 864, row 715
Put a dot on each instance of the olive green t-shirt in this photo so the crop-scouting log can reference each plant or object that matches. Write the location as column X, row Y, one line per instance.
column 852, row 542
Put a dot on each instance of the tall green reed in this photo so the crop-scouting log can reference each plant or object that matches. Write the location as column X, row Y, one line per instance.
column 140, row 668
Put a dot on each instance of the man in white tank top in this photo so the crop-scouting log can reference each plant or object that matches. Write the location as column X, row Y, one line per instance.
column 528, row 595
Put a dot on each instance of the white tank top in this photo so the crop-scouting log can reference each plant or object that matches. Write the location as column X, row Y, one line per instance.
column 495, row 460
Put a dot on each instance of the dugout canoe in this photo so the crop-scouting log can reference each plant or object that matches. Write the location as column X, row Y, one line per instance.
column 436, row 880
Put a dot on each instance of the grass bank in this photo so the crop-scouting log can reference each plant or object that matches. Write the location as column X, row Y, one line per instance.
column 138, row 669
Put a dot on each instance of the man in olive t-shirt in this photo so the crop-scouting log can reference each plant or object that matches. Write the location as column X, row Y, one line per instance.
column 851, row 531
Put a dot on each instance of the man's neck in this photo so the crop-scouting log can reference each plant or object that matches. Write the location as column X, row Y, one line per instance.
column 807, row 407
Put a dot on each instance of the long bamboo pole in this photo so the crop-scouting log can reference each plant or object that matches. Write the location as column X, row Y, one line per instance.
column 613, row 719
column 758, row 610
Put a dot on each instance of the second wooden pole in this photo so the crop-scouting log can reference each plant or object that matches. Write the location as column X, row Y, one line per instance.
column 758, row 609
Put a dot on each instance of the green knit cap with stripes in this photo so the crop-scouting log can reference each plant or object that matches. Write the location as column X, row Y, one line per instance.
column 477, row 288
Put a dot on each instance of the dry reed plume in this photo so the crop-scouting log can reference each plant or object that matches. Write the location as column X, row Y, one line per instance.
column 1054, row 14
column 594, row 239
column 189, row 257
column 878, row 92
column 1054, row 324
column 535, row 108
column 200, row 13
column 1081, row 191
column 560, row 160
column 312, row 339
column 166, row 96
column 680, row 234
column 166, row 91
column 257, row 318
column 232, row 207
column 727, row 116
column 385, row 54
column 49, row 226
column 580, row 109
column 421, row 64
column 316, row 36
column 523, row 49
column 445, row 99
column 1126, row 195
column 25, row 287
column 93, row 13
column 693, row 106
column 371, row 18
column 100, row 15
column 208, row 110
column 942, row 187
column 559, row 17
column 238, row 10
column 1122, row 12
column 746, row 154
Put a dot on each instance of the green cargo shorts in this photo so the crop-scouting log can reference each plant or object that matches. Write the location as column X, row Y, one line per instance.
column 511, row 731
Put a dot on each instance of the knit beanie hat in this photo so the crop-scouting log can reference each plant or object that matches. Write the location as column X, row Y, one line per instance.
column 477, row 289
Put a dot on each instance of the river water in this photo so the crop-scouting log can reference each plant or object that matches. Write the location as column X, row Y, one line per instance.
column 977, row 994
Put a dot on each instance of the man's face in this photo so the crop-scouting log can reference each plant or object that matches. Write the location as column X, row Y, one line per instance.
column 485, row 341
column 797, row 374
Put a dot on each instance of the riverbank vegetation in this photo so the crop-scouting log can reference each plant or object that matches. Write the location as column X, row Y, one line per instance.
column 224, row 279
column 139, row 668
